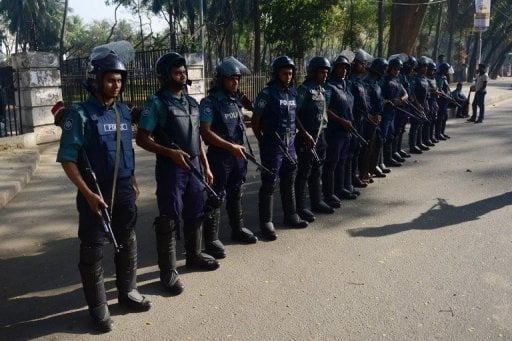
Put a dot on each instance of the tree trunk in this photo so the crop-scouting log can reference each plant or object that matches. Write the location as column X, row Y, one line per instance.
column 63, row 32
column 257, row 36
column 406, row 22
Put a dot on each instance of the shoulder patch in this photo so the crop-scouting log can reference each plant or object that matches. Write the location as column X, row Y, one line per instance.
column 68, row 124
column 262, row 103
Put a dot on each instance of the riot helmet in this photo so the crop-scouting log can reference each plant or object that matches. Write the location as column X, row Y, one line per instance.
column 229, row 67
column 164, row 65
column 101, row 62
column 444, row 68
column 410, row 63
column 315, row 64
column 431, row 65
column 341, row 59
column 379, row 66
column 395, row 62
column 280, row 62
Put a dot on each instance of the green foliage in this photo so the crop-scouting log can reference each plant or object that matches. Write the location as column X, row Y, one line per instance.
column 36, row 23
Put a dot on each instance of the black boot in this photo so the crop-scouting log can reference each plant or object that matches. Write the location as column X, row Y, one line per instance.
column 291, row 218
column 212, row 245
column 165, row 230
column 382, row 161
column 195, row 259
column 413, row 137
column 91, row 271
column 239, row 233
column 402, row 152
column 388, row 160
column 126, row 276
column 395, row 155
column 328, row 185
column 300, row 198
column 315, row 193
column 266, row 210
column 343, row 180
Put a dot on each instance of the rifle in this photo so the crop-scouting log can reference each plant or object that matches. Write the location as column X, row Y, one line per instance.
column 258, row 165
column 418, row 117
column 90, row 178
column 84, row 165
column 162, row 138
column 418, row 111
column 284, row 149
column 448, row 98
column 359, row 137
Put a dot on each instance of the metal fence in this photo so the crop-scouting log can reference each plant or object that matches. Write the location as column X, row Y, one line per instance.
column 141, row 81
column 10, row 117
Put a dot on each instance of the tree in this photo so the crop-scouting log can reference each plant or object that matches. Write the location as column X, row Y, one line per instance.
column 35, row 23
column 406, row 21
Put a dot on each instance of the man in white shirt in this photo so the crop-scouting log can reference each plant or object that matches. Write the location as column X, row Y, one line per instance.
column 480, row 91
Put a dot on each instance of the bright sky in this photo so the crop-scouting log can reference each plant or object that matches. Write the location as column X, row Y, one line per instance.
column 91, row 10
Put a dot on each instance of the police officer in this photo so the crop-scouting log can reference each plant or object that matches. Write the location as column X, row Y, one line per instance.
column 420, row 131
column 172, row 116
column 394, row 95
column 273, row 123
column 376, row 71
column 406, row 78
column 100, row 129
column 223, row 129
column 311, row 122
column 433, row 105
column 361, row 111
column 337, row 180
column 444, row 88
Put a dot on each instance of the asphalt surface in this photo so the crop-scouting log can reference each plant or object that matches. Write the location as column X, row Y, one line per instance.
column 423, row 254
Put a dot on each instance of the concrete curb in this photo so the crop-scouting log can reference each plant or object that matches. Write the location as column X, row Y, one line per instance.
column 16, row 170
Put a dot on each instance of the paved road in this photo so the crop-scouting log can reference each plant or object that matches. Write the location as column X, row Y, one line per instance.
column 422, row 255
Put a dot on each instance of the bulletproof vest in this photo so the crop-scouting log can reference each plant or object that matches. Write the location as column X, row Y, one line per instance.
column 442, row 83
column 101, row 146
column 228, row 120
column 432, row 101
column 391, row 89
column 313, row 110
column 375, row 99
column 182, row 125
column 358, row 91
column 406, row 84
column 421, row 88
column 341, row 104
column 281, row 111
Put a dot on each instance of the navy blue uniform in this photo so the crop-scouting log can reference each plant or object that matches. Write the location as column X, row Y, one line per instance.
column 179, row 193
column 93, row 127
column 276, row 107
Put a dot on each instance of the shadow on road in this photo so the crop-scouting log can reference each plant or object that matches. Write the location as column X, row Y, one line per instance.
column 442, row 214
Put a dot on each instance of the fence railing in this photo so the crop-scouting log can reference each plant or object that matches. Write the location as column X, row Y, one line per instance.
column 10, row 117
column 141, row 81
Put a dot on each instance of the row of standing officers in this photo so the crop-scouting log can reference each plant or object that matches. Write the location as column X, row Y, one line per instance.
column 321, row 140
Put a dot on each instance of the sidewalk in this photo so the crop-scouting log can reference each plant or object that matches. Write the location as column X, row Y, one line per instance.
column 17, row 165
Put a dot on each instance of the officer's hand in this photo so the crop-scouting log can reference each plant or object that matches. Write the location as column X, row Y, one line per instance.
column 238, row 151
column 309, row 141
column 178, row 157
column 397, row 101
column 135, row 187
column 375, row 119
column 208, row 176
column 347, row 125
column 95, row 203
